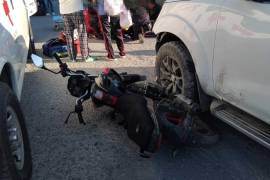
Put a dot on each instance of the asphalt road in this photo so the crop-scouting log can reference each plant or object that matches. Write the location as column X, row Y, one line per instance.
column 101, row 150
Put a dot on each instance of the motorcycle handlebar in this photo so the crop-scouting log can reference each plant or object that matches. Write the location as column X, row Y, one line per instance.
column 65, row 71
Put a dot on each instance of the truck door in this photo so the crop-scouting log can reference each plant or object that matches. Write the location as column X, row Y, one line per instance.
column 14, row 38
column 242, row 56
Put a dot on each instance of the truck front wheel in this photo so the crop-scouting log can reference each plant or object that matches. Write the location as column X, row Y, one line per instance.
column 174, row 70
column 15, row 154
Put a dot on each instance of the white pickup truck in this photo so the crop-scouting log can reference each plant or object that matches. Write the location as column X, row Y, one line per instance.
column 15, row 38
column 217, row 52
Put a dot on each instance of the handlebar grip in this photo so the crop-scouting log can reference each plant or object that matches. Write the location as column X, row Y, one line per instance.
column 57, row 58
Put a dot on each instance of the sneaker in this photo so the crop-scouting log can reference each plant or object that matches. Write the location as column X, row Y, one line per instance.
column 90, row 59
column 53, row 13
column 111, row 59
column 123, row 57
column 47, row 14
column 141, row 39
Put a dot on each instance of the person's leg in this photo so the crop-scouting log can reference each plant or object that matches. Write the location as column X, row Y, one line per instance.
column 119, row 36
column 106, row 31
column 69, row 30
column 136, row 30
column 48, row 5
column 80, row 26
column 141, row 34
column 54, row 5
column 51, row 6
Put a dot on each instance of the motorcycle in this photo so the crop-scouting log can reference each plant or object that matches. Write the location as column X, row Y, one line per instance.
column 81, row 83
column 171, row 116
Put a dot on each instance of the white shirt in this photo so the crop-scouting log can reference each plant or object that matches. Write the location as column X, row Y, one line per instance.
column 70, row 6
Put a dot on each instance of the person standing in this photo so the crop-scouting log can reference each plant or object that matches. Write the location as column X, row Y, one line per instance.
column 105, row 23
column 72, row 12
column 141, row 20
column 49, row 7
column 153, row 9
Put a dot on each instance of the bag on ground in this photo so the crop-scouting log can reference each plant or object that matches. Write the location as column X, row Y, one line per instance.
column 53, row 46
column 58, row 22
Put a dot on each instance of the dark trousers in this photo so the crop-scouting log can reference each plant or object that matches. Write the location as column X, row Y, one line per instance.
column 140, row 28
column 105, row 25
column 71, row 22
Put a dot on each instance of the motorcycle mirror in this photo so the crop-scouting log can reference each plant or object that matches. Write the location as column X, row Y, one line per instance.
column 38, row 61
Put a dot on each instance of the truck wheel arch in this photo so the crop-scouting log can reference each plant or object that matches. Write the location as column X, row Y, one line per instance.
column 5, row 75
column 203, row 98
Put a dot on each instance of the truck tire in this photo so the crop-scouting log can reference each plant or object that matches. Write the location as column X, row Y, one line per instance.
column 175, row 71
column 15, row 153
column 31, row 50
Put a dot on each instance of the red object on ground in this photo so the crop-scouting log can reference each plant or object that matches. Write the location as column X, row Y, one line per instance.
column 106, row 71
column 62, row 37
column 77, row 46
column 77, row 43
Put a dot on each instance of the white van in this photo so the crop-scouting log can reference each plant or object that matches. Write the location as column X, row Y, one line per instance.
column 15, row 155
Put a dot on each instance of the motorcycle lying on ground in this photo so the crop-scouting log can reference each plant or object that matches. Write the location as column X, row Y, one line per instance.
column 169, row 117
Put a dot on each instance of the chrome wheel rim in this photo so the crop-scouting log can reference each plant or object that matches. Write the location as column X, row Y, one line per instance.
column 15, row 137
column 171, row 76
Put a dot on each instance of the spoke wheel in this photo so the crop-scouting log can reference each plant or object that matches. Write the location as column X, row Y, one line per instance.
column 15, row 152
column 171, row 76
column 174, row 70
column 15, row 138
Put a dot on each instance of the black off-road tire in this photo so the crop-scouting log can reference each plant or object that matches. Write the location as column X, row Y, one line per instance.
column 31, row 50
column 8, row 168
column 174, row 65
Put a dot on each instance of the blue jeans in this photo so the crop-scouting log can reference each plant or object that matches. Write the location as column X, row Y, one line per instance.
column 49, row 6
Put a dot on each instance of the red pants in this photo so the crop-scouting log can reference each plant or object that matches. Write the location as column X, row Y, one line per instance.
column 106, row 31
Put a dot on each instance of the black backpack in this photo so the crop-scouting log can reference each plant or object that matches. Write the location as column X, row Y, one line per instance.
column 142, row 125
column 53, row 46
